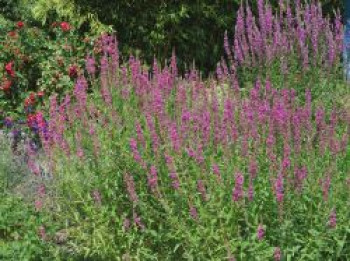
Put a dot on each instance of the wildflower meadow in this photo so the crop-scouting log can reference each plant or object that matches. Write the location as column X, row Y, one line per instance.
column 141, row 162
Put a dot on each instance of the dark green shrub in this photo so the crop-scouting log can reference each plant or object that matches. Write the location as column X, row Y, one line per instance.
column 195, row 29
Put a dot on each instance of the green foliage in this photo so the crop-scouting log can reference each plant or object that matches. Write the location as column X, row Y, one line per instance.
column 12, row 170
column 19, row 231
column 19, row 223
column 154, row 28
column 329, row 6
column 48, row 11
column 10, row 9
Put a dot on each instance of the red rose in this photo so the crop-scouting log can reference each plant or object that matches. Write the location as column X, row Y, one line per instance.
column 9, row 69
column 32, row 97
column 65, row 26
column 30, row 119
column 40, row 94
column 20, row 24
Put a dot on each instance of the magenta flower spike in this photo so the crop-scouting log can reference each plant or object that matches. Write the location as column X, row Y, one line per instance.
column 260, row 232
column 332, row 219
column 237, row 192
column 277, row 254
column 130, row 187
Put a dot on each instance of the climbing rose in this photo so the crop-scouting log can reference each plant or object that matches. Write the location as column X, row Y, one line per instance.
column 65, row 26
column 20, row 24
column 9, row 69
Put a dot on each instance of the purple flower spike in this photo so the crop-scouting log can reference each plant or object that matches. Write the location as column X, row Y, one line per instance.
column 332, row 219
column 260, row 232
column 277, row 254
column 237, row 191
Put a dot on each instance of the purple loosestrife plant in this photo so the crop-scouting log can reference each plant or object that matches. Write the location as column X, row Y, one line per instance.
column 135, row 152
column 300, row 174
column 299, row 32
column 38, row 205
column 90, row 65
column 332, row 219
column 96, row 195
column 237, row 191
column 137, row 221
column 175, row 139
column 152, row 178
column 41, row 190
column 325, row 186
column 42, row 233
column 193, row 213
column 126, row 224
column 171, row 133
column 175, row 182
column 140, row 136
column 279, row 188
column 277, row 255
column 216, row 171
column 260, row 234
column 202, row 190
column 251, row 190
column 130, row 187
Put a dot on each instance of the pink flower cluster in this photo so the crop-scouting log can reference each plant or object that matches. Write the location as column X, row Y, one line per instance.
column 274, row 36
